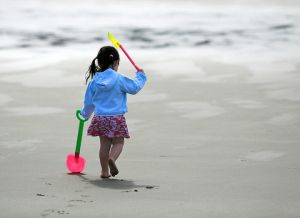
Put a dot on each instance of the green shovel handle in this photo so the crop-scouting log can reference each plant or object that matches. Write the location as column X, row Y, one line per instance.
column 79, row 117
column 79, row 135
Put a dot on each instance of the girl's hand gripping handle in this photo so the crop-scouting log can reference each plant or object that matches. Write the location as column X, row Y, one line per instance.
column 79, row 117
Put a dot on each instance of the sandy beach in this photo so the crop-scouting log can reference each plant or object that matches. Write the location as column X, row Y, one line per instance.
column 214, row 133
column 214, row 140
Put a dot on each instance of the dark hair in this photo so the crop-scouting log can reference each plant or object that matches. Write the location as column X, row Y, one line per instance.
column 105, row 58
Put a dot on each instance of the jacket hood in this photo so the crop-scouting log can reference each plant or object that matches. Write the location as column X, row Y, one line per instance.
column 106, row 80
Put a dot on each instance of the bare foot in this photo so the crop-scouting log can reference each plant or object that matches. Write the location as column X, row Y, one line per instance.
column 112, row 167
column 105, row 175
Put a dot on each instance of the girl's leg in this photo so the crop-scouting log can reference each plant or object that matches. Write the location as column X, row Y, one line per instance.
column 116, row 149
column 104, row 155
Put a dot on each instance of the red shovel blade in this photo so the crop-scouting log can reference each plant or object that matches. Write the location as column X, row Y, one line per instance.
column 75, row 164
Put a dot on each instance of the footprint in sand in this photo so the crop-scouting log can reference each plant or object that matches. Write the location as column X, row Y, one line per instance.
column 76, row 200
column 149, row 187
column 81, row 201
column 264, row 155
column 71, row 205
column 54, row 212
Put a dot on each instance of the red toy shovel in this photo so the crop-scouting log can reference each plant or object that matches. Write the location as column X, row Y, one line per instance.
column 75, row 163
column 117, row 44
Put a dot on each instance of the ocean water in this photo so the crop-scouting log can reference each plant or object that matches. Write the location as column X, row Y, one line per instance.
column 48, row 30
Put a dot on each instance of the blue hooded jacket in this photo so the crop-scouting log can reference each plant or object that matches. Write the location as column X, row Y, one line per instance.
column 106, row 93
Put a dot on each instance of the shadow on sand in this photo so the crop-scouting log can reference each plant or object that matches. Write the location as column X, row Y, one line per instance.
column 111, row 183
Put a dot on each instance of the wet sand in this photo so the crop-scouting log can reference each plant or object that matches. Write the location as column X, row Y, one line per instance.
column 209, row 138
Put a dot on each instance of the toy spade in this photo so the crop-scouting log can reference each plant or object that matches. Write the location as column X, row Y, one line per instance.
column 75, row 163
column 117, row 44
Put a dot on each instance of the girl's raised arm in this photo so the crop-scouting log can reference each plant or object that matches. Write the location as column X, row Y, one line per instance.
column 133, row 86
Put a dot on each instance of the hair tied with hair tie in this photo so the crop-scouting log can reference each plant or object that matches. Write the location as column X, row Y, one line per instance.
column 97, row 63
column 111, row 56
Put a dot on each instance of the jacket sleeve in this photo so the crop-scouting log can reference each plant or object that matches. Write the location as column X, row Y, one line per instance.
column 88, row 107
column 133, row 86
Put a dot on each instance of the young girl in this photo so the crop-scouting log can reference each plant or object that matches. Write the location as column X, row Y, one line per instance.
column 106, row 97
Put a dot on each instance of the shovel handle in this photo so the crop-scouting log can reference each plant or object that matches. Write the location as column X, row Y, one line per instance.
column 129, row 58
column 79, row 117
column 79, row 135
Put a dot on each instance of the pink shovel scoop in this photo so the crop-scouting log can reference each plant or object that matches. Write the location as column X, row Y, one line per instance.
column 75, row 163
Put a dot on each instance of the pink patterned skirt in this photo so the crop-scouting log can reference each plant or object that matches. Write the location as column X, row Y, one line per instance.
column 109, row 126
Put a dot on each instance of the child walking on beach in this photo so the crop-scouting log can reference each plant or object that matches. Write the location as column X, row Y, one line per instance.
column 106, row 97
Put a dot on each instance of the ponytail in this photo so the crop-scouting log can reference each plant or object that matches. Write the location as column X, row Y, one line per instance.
column 91, row 71
column 105, row 59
